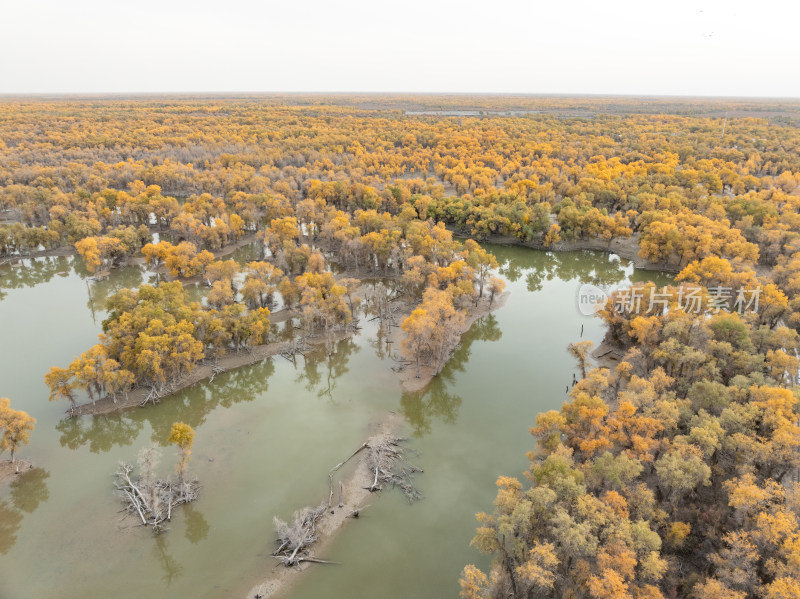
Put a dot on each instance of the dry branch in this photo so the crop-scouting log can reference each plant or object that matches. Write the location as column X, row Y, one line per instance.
column 298, row 345
column 296, row 538
column 152, row 499
column 339, row 465
column 385, row 458
column 357, row 513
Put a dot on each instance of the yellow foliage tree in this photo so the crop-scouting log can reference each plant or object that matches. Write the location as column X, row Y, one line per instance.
column 182, row 435
column 15, row 427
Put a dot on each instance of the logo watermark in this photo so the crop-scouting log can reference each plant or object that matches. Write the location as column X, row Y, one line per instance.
column 684, row 298
column 591, row 299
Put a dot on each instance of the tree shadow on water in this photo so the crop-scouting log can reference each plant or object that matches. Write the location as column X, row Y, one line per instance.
column 320, row 370
column 539, row 267
column 10, row 521
column 100, row 432
column 169, row 565
column 30, row 272
column 197, row 526
column 100, row 290
column 28, row 490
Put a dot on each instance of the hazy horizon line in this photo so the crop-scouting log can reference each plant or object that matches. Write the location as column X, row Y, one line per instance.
column 648, row 96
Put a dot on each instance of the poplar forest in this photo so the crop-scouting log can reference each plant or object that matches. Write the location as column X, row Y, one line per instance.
column 343, row 325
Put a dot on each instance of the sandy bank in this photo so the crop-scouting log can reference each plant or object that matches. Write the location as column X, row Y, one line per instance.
column 279, row 578
column 607, row 355
column 9, row 471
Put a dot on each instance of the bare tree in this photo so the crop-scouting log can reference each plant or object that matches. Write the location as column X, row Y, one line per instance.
column 296, row 538
column 385, row 458
column 148, row 498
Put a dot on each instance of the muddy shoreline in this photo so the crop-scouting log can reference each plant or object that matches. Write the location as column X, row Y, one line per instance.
column 8, row 471
column 136, row 397
column 607, row 355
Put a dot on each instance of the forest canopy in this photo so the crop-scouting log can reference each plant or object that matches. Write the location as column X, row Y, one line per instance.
column 670, row 473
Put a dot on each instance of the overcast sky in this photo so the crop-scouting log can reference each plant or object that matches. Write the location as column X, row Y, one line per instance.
column 732, row 48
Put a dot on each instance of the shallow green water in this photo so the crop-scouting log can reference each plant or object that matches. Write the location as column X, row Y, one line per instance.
column 266, row 436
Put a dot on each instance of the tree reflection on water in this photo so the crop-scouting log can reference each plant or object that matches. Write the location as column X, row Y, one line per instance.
column 321, row 370
column 435, row 401
column 196, row 525
column 10, row 520
column 192, row 406
column 28, row 491
column 169, row 565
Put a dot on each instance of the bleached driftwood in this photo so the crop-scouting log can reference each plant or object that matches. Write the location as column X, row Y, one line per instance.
column 148, row 498
column 385, row 458
column 296, row 537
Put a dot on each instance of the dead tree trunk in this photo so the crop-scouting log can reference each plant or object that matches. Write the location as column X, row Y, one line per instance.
column 149, row 498
column 386, row 459
column 297, row 537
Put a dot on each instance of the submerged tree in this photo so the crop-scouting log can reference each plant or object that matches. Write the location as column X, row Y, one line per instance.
column 61, row 383
column 418, row 328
